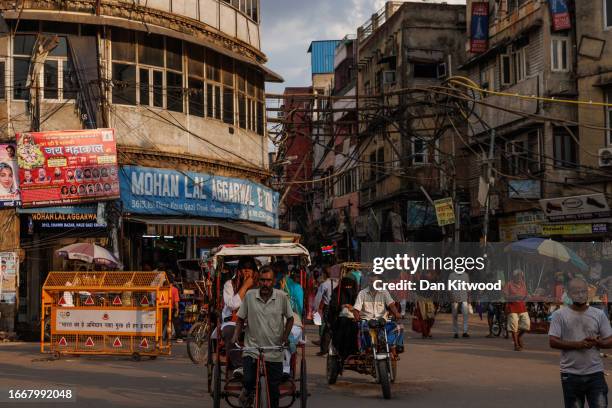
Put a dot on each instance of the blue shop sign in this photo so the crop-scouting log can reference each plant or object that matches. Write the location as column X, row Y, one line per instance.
column 154, row 191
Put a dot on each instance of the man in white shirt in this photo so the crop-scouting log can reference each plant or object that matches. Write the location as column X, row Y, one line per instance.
column 372, row 304
column 234, row 292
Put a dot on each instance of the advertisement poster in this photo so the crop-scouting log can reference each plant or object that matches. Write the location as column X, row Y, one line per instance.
column 9, row 265
column 67, row 167
column 560, row 14
column 445, row 211
column 152, row 191
column 479, row 40
column 9, row 186
column 104, row 321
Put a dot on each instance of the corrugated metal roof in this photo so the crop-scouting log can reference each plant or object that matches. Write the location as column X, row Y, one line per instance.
column 322, row 56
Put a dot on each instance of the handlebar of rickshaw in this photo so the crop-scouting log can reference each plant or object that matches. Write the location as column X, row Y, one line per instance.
column 260, row 350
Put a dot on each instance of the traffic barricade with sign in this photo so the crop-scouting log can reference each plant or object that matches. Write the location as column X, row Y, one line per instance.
column 116, row 313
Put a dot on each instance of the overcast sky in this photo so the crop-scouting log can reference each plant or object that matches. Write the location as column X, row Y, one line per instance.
column 289, row 26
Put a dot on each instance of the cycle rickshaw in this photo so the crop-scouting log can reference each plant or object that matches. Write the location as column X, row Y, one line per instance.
column 378, row 359
column 221, row 384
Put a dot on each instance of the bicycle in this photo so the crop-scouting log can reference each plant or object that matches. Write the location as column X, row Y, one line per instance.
column 499, row 324
column 197, row 338
column 262, row 391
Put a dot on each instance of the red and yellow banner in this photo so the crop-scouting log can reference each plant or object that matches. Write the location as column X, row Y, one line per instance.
column 67, row 167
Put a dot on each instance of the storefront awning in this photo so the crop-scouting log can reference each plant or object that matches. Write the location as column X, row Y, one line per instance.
column 260, row 233
column 179, row 227
column 206, row 228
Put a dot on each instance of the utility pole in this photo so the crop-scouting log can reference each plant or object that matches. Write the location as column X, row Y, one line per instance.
column 457, row 235
column 485, row 233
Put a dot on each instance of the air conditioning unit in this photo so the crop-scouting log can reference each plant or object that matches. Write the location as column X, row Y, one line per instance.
column 605, row 157
column 389, row 77
column 442, row 71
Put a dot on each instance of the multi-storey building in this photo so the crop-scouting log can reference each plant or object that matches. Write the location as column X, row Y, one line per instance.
column 530, row 64
column 182, row 84
column 405, row 47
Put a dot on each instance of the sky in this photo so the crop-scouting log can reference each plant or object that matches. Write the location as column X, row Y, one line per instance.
column 289, row 26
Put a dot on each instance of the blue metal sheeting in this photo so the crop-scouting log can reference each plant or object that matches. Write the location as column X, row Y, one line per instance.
column 322, row 56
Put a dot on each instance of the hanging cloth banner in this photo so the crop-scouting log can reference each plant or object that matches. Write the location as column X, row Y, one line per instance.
column 560, row 15
column 479, row 33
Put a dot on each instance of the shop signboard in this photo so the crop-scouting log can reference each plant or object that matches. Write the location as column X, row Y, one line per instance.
column 59, row 218
column 154, row 191
column 584, row 207
column 445, row 211
column 89, row 320
column 520, row 225
column 9, row 176
column 573, row 229
column 67, row 167
column 9, row 272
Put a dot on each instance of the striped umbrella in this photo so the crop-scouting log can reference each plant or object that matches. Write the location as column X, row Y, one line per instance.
column 549, row 249
column 90, row 253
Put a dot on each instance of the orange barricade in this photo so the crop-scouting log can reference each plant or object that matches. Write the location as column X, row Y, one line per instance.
column 116, row 313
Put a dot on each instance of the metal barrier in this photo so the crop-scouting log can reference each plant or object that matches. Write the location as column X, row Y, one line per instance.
column 115, row 313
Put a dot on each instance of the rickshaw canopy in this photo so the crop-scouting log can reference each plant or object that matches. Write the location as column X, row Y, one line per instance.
column 260, row 250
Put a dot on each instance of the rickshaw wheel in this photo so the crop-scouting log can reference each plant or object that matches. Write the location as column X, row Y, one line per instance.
column 332, row 369
column 303, row 384
column 135, row 357
column 216, row 383
column 383, row 378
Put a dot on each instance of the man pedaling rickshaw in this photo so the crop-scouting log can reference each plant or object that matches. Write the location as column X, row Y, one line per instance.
column 372, row 304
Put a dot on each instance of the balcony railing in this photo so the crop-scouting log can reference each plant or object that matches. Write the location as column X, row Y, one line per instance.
column 377, row 20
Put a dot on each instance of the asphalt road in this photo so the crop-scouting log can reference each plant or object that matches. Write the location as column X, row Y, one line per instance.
column 440, row 372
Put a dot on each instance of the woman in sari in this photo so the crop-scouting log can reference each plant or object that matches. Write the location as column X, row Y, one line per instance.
column 425, row 310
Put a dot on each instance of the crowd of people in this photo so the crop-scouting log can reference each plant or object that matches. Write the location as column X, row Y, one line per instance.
column 271, row 299
column 275, row 300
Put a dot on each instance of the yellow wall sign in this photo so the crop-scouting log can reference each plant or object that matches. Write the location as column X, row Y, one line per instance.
column 445, row 211
column 567, row 229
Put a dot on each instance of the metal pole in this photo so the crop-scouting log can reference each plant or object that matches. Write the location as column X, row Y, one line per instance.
column 457, row 235
column 488, row 202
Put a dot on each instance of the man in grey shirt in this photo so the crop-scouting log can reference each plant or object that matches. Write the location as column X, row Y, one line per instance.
column 270, row 320
column 579, row 331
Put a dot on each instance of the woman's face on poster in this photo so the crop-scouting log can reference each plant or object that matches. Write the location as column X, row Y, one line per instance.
column 6, row 177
